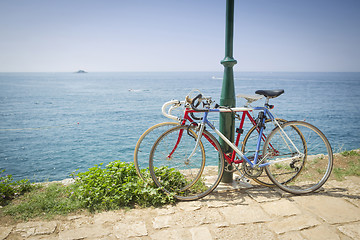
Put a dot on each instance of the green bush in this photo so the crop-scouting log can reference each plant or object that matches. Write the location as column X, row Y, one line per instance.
column 9, row 188
column 117, row 185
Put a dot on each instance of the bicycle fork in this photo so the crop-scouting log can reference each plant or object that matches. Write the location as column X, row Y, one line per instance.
column 199, row 135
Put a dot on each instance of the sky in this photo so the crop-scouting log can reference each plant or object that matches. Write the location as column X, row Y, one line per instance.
column 178, row 35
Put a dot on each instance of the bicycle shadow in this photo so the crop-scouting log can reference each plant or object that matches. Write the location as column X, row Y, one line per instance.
column 244, row 196
column 348, row 189
column 339, row 192
column 344, row 190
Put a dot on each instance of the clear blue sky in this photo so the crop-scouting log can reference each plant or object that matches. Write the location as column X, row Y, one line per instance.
column 178, row 35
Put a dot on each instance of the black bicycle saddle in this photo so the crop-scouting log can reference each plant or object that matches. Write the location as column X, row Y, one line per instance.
column 270, row 93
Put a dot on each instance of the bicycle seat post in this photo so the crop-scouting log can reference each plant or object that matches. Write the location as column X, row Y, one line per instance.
column 267, row 101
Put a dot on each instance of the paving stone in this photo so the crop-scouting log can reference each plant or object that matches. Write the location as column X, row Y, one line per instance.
column 74, row 234
column 320, row 232
column 330, row 209
column 351, row 230
column 242, row 214
column 236, row 184
column 89, row 232
column 353, row 179
column 248, row 231
column 171, row 234
column 197, row 218
column 217, row 204
column 166, row 210
column 162, row 222
column 111, row 237
column 355, row 201
column 351, row 186
column 189, row 206
column 229, row 198
column 106, row 217
column 292, row 236
column 26, row 232
column 45, row 228
column 45, row 237
column 281, row 208
column 35, row 228
column 4, row 232
column 222, row 224
column 200, row 233
column 263, row 194
column 74, row 217
column 122, row 230
column 293, row 223
column 76, row 222
column 241, row 199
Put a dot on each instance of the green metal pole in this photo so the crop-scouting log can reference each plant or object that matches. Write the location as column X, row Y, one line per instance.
column 227, row 122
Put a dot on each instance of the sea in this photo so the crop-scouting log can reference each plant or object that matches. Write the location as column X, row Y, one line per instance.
column 53, row 124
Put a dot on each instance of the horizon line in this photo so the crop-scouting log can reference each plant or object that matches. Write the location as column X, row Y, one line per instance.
column 188, row 71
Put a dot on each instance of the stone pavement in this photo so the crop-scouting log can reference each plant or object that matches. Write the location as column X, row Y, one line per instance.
column 246, row 213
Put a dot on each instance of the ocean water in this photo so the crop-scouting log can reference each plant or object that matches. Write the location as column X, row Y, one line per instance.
column 52, row 124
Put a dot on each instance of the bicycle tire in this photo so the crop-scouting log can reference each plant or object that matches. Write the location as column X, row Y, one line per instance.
column 251, row 139
column 308, row 172
column 176, row 175
column 144, row 145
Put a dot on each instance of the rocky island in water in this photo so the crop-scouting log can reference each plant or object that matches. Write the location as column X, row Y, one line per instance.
column 81, row 71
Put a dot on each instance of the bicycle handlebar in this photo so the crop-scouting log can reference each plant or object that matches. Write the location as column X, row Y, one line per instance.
column 175, row 104
column 194, row 103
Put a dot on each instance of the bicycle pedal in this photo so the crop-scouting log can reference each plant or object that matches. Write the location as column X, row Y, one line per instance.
column 242, row 179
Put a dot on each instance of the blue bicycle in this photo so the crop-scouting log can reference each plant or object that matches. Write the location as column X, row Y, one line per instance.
column 188, row 162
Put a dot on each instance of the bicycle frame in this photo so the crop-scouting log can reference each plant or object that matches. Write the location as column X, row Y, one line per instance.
column 245, row 113
column 229, row 158
column 255, row 162
column 233, row 146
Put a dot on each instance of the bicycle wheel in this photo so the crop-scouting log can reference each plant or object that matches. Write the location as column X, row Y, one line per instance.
column 298, row 166
column 144, row 145
column 249, row 146
column 186, row 179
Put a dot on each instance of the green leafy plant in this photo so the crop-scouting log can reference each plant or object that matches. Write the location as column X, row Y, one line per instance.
column 117, row 185
column 175, row 181
column 9, row 189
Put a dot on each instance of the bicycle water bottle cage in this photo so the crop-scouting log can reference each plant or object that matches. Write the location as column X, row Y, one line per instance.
column 260, row 120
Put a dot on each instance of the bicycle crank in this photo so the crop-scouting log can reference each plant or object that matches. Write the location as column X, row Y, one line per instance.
column 231, row 167
column 251, row 172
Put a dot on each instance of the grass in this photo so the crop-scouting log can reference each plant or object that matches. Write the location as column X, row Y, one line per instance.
column 350, row 153
column 346, row 163
column 48, row 201
column 352, row 169
column 43, row 201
